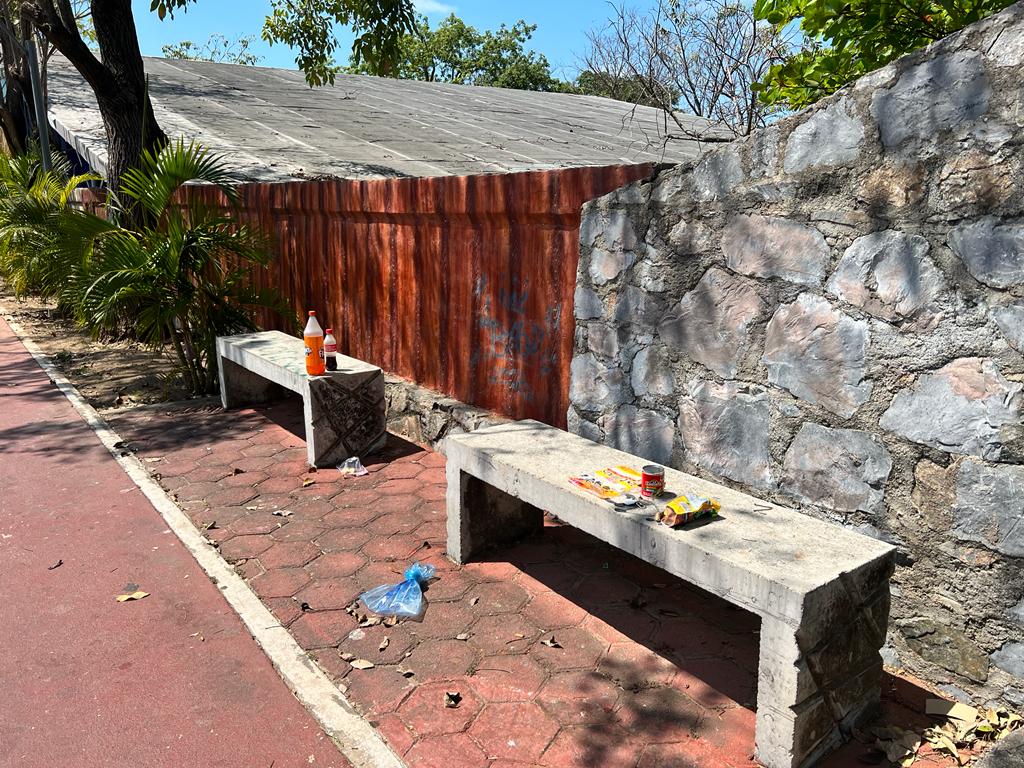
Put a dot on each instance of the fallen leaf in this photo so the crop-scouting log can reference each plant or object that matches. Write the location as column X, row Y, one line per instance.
column 199, row 635
column 237, row 471
column 307, row 481
column 282, row 512
column 56, row 565
column 452, row 699
column 347, row 656
column 405, row 672
column 474, row 600
column 304, row 606
column 362, row 664
column 372, row 621
column 210, row 526
column 391, row 621
column 550, row 642
column 462, row 636
column 951, row 709
column 137, row 595
column 383, row 644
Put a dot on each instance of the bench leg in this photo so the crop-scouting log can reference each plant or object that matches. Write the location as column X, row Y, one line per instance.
column 239, row 386
column 819, row 681
column 344, row 418
column 481, row 516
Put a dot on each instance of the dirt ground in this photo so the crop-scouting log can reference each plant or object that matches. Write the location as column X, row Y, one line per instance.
column 110, row 374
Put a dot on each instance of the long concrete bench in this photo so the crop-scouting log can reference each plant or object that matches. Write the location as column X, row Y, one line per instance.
column 344, row 409
column 822, row 591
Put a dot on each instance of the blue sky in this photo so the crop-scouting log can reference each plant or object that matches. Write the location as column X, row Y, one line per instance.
column 560, row 35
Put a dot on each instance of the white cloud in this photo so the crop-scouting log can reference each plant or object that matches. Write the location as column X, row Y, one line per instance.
column 433, row 6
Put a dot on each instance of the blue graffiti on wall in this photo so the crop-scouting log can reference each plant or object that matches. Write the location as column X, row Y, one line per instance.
column 518, row 341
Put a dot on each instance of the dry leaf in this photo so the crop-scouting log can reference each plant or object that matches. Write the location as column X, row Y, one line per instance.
column 282, row 512
column 452, row 699
column 462, row 636
column 383, row 644
column 137, row 595
column 307, row 481
column 55, row 566
column 550, row 642
column 372, row 621
column 362, row 664
column 347, row 656
column 405, row 672
column 951, row 709
column 391, row 621
column 474, row 600
column 199, row 635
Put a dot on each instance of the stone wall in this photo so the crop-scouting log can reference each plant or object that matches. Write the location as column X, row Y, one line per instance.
column 830, row 314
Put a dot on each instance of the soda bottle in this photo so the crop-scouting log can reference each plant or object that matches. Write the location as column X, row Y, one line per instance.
column 331, row 350
column 313, row 337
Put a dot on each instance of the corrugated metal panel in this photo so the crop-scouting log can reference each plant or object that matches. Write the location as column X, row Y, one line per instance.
column 463, row 284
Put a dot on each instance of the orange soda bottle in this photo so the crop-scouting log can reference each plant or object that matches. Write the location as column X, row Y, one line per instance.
column 313, row 337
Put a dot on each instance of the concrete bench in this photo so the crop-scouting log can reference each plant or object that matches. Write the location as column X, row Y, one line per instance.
column 343, row 409
column 821, row 591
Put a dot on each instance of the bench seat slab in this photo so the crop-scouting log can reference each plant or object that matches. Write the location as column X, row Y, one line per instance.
column 821, row 590
column 344, row 410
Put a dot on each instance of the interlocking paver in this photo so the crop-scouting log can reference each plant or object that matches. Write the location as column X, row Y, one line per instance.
column 446, row 752
column 285, row 609
column 501, row 633
column 442, row 659
column 335, row 565
column 514, row 730
column 445, row 620
column 244, row 547
column 321, row 629
column 366, row 642
column 262, row 522
column 508, row 678
column 587, row 747
column 227, row 496
column 577, row 649
column 635, row 667
column 661, row 715
column 580, row 697
column 499, row 597
column 552, row 611
column 427, row 714
column 397, row 733
column 289, row 554
column 280, row 582
column 327, row 595
column 298, row 530
column 336, row 539
column 378, row 690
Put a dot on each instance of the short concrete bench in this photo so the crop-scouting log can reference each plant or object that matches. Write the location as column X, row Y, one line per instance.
column 822, row 591
column 344, row 409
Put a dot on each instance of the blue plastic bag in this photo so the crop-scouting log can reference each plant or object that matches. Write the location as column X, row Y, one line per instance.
column 404, row 599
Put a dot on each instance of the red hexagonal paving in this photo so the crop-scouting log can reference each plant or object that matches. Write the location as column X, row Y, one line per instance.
column 644, row 669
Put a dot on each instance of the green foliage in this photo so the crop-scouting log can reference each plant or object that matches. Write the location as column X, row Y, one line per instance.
column 456, row 52
column 43, row 239
column 308, row 27
column 178, row 279
column 216, row 48
column 845, row 40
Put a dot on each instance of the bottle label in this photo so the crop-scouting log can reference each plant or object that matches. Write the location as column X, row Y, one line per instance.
column 314, row 355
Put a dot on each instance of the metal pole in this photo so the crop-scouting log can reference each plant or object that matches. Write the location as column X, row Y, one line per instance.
column 42, row 126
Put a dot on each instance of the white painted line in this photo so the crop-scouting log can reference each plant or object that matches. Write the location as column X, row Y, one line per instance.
column 355, row 737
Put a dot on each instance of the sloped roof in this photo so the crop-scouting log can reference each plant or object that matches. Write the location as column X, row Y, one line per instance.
column 271, row 126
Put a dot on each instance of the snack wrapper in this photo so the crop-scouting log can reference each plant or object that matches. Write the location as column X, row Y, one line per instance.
column 685, row 509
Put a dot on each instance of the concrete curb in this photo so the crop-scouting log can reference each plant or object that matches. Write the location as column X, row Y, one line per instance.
column 355, row 737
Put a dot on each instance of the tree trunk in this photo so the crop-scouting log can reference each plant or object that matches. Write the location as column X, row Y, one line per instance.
column 119, row 80
column 124, row 98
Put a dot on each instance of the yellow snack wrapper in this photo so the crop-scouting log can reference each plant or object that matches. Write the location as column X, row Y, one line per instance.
column 685, row 509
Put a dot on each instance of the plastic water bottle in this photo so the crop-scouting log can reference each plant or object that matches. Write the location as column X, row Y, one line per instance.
column 331, row 350
column 313, row 337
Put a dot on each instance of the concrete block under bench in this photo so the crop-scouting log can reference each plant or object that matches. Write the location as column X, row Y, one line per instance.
column 822, row 591
column 344, row 409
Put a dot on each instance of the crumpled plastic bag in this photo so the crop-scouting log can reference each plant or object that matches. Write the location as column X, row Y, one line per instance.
column 403, row 599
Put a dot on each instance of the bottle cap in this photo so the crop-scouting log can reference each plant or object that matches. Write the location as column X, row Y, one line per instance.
column 312, row 313
column 329, row 330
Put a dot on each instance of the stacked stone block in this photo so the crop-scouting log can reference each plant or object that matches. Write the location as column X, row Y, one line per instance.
column 830, row 314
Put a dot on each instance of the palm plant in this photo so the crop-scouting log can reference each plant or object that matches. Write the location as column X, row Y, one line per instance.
column 44, row 239
column 183, row 276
